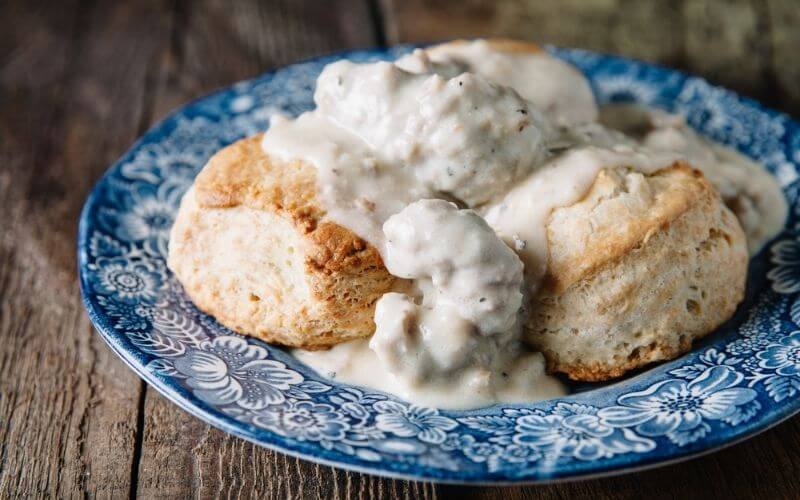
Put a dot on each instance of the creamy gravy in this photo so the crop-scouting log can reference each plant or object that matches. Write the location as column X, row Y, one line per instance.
column 465, row 316
column 520, row 218
column 454, row 339
column 354, row 362
column 746, row 187
column 404, row 151
column 555, row 87
column 382, row 137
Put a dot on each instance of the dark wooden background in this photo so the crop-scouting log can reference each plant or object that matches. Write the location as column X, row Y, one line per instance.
column 81, row 79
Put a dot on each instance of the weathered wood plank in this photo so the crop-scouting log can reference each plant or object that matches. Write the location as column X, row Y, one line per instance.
column 623, row 26
column 71, row 89
column 726, row 43
column 783, row 21
column 182, row 457
column 221, row 42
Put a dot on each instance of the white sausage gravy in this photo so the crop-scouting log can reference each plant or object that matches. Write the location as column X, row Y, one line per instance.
column 449, row 161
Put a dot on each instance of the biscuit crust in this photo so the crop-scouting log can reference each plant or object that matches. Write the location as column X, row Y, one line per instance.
column 639, row 268
column 252, row 247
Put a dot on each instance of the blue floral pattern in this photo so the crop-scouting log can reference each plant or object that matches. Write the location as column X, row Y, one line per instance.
column 304, row 420
column 680, row 409
column 412, row 421
column 228, row 370
column 577, row 431
column 782, row 356
column 741, row 379
column 128, row 281
column 150, row 217
column 785, row 275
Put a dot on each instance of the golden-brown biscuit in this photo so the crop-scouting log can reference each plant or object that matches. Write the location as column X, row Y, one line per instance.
column 251, row 247
column 639, row 268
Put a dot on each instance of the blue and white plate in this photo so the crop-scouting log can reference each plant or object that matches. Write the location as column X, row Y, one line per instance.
column 741, row 380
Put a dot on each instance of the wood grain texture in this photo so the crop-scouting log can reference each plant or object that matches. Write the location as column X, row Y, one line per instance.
column 735, row 52
column 217, row 42
column 80, row 80
column 622, row 26
column 746, row 45
column 184, row 457
column 782, row 26
column 71, row 87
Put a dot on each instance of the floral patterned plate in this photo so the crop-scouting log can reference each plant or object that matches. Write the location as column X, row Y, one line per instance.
column 741, row 380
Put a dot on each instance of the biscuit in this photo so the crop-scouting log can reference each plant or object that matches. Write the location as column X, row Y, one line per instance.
column 251, row 247
column 639, row 268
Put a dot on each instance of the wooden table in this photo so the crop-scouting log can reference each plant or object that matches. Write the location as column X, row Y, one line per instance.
column 80, row 80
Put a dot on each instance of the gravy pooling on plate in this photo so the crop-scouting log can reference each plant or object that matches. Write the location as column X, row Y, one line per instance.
column 449, row 162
